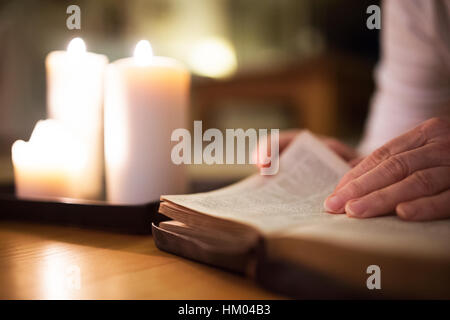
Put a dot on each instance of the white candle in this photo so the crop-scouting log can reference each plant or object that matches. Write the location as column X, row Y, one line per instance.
column 75, row 97
column 146, row 98
column 50, row 164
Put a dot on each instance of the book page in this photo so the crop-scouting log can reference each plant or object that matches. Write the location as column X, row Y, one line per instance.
column 386, row 234
column 308, row 173
column 287, row 209
column 290, row 204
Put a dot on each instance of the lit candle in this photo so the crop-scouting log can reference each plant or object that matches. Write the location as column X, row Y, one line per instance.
column 146, row 98
column 50, row 164
column 75, row 97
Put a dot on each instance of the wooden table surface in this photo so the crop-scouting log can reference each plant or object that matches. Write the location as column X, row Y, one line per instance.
column 52, row 262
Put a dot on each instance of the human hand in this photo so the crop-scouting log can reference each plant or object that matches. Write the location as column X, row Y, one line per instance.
column 341, row 149
column 410, row 174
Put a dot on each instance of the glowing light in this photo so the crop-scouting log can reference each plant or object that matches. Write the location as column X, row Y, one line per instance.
column 49, row 145
column 50, row 164
column 76, row 47
column 143, row 53
column 213, row 57
column 56, row 277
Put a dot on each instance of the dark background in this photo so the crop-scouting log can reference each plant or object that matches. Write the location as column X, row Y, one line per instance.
column 299, row 63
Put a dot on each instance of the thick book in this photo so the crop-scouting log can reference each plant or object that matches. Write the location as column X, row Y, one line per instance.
column 275, row 229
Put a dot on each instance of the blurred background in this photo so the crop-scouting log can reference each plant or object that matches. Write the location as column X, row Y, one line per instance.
column 255, row 63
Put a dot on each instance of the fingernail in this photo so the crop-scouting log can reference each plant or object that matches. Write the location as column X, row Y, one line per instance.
column 356, row 208
column 334, row 203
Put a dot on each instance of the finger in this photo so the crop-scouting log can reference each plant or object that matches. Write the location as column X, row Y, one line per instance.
column 420, row 184
column 427, row 208
column 285, row 138
column 415, row 138
column 386, row 173
column 410, row 140
column 354, row 162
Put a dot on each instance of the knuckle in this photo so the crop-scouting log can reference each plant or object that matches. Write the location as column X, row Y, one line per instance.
column 366, row 164
column 354, row 189
column 380, row 196
column 377, row 157
column 434, row 122
column 396, row 167
column 424, row 181
column 435, row 125
column 442, row 152
column 380, row 154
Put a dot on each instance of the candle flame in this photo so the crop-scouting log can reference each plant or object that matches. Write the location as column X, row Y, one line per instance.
column 76, row 46
column 143, row 53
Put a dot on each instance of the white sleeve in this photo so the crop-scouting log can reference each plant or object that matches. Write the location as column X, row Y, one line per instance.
column 413, row 77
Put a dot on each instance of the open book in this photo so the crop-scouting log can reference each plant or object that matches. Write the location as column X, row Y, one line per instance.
column 285, row 214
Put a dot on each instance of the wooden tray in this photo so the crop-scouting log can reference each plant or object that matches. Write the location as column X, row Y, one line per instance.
column 132, row 219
